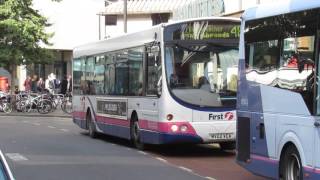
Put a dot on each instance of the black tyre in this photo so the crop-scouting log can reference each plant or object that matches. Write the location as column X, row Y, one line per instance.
column 135, row 134
column 44, row 107
column 227, row 145
column 290, row 165
column 91, row 126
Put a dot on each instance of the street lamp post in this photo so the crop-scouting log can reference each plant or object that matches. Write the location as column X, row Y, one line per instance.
column 125, row 16
column 99, row 26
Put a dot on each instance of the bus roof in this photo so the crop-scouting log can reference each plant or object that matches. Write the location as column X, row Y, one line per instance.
column 281, row 7
column 120, row 42
column 132, row 39
column 201, row 19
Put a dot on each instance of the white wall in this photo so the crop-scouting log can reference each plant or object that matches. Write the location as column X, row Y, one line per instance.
column 135, row 23
column 75, row 22
column 233, row 5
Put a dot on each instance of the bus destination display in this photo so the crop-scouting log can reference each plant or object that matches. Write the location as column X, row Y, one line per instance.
column 205, row 31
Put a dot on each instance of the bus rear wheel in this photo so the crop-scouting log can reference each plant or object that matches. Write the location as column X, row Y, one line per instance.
column 91, row 126
column 135, row 134
column 291, row 166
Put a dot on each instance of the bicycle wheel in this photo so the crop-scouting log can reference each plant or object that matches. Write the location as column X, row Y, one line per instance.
column 53, row 105
column 44, row 106
column 19, row 105
column 66, row 106
column 7, row 108
column 25, row 106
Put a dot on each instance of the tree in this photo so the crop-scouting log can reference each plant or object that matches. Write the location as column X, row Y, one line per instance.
column 22, row 33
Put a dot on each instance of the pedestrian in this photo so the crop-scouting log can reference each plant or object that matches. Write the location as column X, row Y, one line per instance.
column 64, row 85
column 49, row 83
column 34, row 83
column 27, row 84
column 69, row 83
column 40, row 85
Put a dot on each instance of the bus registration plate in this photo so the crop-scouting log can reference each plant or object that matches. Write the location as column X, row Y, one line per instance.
column 220, row 136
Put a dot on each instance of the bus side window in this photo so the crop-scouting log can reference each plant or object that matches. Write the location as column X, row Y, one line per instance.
column 153, row 72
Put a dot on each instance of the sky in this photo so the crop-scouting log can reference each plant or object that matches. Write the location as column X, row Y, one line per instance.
column 75, row 22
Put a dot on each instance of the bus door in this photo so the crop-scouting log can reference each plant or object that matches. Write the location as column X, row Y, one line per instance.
column 317, row 119
column 317, row 141
column 149, row 105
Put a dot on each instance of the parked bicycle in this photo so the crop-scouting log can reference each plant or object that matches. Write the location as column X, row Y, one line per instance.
column 66, row 105
column 5, row 104
column 34, row 102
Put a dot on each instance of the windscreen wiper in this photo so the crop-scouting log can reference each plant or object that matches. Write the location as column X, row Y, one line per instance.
column 190, row 49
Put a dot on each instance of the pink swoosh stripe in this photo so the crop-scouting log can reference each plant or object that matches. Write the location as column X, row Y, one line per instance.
column 312, row 170
column 164, row 127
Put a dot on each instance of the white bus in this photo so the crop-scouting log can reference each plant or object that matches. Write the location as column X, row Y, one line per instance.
column 173, row 83
column 278, row 109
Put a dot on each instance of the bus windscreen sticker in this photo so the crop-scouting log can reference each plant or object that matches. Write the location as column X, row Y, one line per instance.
column 112, row 107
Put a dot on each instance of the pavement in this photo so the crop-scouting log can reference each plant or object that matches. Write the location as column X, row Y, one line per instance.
column 34, row 113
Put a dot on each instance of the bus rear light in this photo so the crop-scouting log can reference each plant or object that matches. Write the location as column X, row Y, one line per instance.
column 307, row 175
column 174, row 128
column 169, row 117
column 183, row 128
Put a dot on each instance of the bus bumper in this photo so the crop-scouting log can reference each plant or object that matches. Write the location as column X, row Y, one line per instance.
column 152, row 137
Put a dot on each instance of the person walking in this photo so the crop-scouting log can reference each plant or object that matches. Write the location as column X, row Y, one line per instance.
column 69, row 88
column 27, row 84
column 64, row 85
column 49, row 83
column 34, row 83
column 40, row 85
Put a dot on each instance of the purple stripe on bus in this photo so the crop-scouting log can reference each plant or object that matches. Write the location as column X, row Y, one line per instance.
column 262, row 158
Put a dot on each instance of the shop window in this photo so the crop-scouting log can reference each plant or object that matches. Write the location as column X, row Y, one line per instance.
column 160, row 18
column 111, row 20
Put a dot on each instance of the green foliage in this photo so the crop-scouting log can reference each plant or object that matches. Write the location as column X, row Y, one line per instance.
column 22, row 33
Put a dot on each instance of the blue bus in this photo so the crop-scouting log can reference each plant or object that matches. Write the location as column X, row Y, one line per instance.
column 278, row 103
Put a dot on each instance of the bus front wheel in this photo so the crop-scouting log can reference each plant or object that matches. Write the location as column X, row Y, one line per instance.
column 91, row 126
column 291, row 166
column 135, row 134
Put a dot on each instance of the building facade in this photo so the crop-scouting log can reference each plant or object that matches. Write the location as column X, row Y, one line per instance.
column 234, row 8
column 74, row 23
column 142, row 14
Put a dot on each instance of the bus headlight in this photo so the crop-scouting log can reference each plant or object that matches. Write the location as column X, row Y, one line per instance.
column 183, row 128
column 174, row 128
